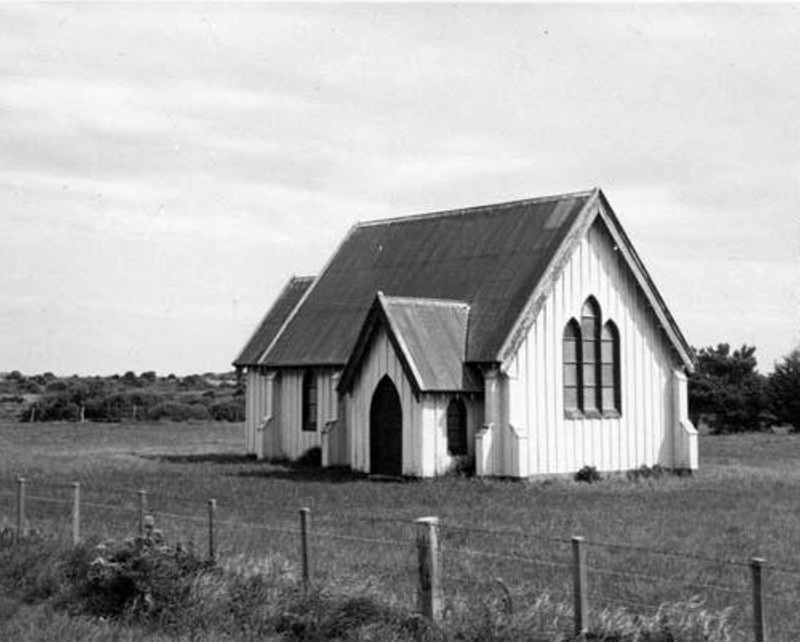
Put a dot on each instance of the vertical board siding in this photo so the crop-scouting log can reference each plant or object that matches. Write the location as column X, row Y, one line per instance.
column 644, row 433
column 256, row 409
column 382, row 360
column 295, row 441
column 338, row 454
column 436, row 457
column 425, row 452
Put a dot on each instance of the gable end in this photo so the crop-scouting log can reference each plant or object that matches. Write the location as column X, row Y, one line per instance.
column 596, row 207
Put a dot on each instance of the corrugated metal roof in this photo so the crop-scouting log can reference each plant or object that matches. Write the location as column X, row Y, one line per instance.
column 430, row 337
column 489, row 257
column 269, row 327
column 433, row 334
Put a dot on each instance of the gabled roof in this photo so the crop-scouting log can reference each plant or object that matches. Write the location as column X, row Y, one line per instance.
column 272, row 323
column 490, row 257
column 429, row 336
column 501, row 260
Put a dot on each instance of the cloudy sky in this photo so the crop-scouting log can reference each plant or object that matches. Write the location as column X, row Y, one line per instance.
column 165, row 168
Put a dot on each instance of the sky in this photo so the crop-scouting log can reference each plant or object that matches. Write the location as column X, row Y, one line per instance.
column 165, row 168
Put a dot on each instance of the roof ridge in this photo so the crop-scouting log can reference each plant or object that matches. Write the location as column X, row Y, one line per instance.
column 427, row 300
column 474, row 209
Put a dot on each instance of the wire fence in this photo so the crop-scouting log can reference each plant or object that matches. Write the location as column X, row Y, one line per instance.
column 441, row 568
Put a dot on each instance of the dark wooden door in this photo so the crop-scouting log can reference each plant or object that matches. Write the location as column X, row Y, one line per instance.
column 386, row 430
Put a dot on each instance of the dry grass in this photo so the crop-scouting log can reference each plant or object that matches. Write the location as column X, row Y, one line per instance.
column 742, row 502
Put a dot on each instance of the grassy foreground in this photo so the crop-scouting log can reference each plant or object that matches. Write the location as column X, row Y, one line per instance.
column 651, row 541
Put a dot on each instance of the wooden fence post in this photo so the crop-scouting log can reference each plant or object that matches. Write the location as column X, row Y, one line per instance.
column 142, row 511
column 212, row 545
column 581, row 603
column 21, row 518
column 430, row 587
column 76, row 513
column 759, row 616
column 304, row 517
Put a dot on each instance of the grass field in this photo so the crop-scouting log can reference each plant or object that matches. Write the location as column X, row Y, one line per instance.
column 650, row 541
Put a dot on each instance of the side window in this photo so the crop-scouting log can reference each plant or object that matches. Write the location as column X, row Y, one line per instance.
column 572, row 365
column 590, row 336
column 309, row 401
column 457, row 427
column 609, row 367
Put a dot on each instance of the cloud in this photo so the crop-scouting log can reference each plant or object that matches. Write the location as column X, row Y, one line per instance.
column 179, row 162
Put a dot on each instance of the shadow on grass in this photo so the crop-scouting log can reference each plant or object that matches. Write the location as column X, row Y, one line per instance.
column 298, row 472
column 204, row 458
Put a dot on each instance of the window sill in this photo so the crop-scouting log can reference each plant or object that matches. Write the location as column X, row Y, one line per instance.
column 592, row 414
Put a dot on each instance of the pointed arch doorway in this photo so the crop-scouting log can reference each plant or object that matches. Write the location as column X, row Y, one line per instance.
column 386, row 430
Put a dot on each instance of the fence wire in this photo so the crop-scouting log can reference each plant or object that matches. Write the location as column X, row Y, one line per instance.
column 501, row 573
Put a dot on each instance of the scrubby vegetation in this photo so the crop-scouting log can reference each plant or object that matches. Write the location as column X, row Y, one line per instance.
column 129, row 397
column 588, row 475
column 741, row 502
column 147, row 585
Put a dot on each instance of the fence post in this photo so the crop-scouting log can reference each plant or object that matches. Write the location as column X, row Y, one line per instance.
column 21, row 518
column 581, row 603
column 430, row 587
column 304, row 517
column 142, row 511
column 759, row 617
column 212, row 544
column 76, row 513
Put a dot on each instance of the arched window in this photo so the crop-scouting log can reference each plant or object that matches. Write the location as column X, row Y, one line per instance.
column 609, row 367
column 572, row 365
column 591, row 362
column 457, row 428
column 590, row 344
column 309, row 401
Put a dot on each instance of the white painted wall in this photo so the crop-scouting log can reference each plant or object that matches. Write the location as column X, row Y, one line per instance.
column 644, row 433
column 288, row 413
column 436, row 459
column 381, row 360
column 255, row 408
column 425, row 451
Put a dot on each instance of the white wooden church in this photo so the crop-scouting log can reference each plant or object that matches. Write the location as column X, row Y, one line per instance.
column 525, row 336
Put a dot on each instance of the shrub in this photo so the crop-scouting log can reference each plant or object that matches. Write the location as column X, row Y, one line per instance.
column 53, row 407
column 228, row 410
column 588, row 475
column 646, row 472
column 140, row 577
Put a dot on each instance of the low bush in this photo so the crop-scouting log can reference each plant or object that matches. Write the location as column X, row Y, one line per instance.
column 588, row 475
column 228, row 410
column 140, row 579
column 646, row 472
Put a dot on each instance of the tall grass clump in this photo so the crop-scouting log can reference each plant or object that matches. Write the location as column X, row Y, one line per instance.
column 545, row 619
column 147, row 586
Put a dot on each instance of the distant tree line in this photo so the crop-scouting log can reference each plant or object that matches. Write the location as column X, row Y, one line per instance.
column 728, row 394
column 127, row 397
